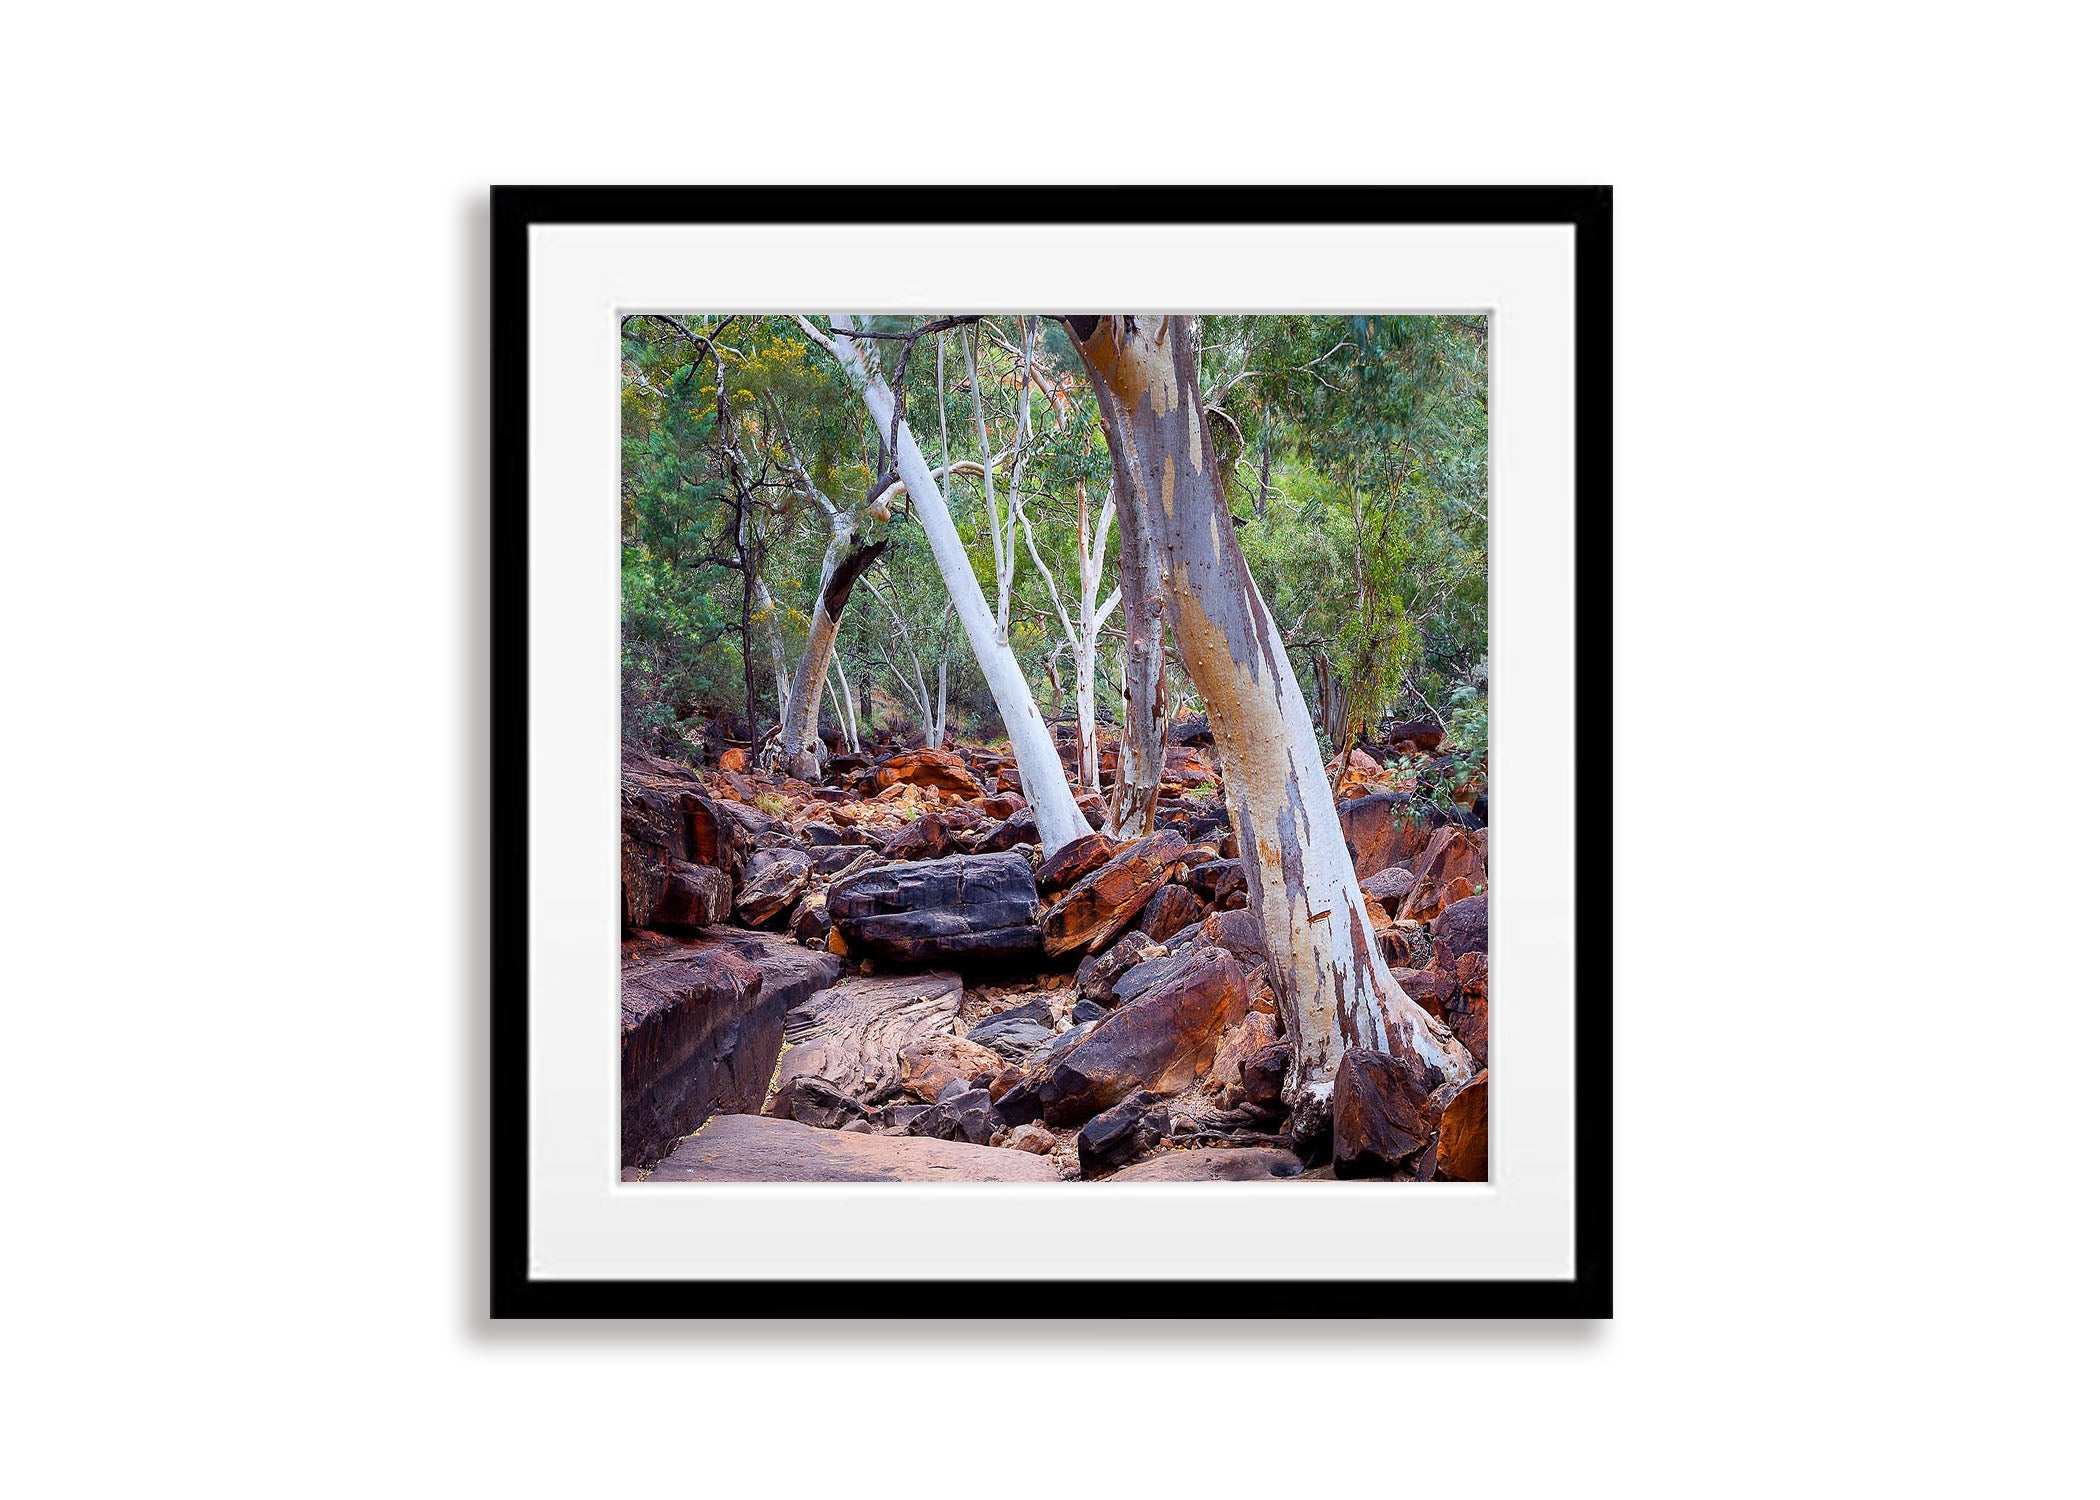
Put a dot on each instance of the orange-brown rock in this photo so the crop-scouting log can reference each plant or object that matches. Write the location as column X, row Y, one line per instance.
column 1462, row 1134
column 930, row 1064
column 1379, row 1101
column 733, row 759
column 1093, row 913
column 1073, row 863
column 1171, row 908
column 1164, row 1041
column 1238, row 933
column 1453, row 854
column 1185, row 766
column 1466, row 1007
column 1252, row 1034
column 1377, row 838
column 943, row 770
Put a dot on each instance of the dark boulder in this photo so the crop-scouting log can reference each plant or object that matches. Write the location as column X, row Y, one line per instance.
column 1460, row 928
column 1019, row 1033
column 958, row 1115
column 772, row 879
column 973, row 907
column 1098, row 972
column 1218, row 878
column 927, row 838
column 1119, row 1136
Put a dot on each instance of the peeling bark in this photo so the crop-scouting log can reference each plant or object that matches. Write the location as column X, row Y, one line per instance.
column 1334, row 988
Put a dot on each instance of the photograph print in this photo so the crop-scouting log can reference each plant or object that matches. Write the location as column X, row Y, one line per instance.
column 1054, row 748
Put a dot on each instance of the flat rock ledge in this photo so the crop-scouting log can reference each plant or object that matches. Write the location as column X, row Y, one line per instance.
column 755, row 1148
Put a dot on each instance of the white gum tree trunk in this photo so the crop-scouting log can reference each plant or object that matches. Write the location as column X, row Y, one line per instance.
column 1335, row 991
column 1141, row 581
column 1083, row 634
column 1057, row 817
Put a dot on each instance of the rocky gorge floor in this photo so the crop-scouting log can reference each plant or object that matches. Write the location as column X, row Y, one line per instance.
column 879, row 979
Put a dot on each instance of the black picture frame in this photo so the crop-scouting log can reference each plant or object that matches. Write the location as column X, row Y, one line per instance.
column 514, row 210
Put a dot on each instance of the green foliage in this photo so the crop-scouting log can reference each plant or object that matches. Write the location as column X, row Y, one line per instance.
column 1355, row 455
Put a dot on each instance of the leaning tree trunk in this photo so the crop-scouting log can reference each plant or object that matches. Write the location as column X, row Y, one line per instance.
column 1144, row 751
column 1335, row 990
column 1057, row 817
column 771, row 614
column 843, row 565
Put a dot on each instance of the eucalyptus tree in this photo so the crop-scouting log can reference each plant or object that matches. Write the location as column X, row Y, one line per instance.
column 1334, row 987
column 1057, row 815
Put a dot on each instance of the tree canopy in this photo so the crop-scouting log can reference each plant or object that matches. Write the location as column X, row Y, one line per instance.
column 1356, row 461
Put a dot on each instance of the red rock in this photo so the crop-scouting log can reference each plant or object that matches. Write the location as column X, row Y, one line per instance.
column 1466, row 1008
column 1217, row 879
column 1453, row 854
column 1462, row 1134
column 1379, row 1101
column 1252, row 1034
column 1428, row 988
column 701, row 1022
column 943, row 770
column 1093, row 913
column 1418, row 736
column 1030, row 1138
column 1171, row 908
column 928, row 1065
column 696, row 896
column 1073, row 863
column 1238, row 933
column 1378, row 840
column 1185, row 766
column 733, row 759
column 926, row 838
column 1164, row 1040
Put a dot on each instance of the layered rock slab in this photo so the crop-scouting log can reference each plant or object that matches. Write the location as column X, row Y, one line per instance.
column 967, row 907
column 701, row 1022
column 757, row 1148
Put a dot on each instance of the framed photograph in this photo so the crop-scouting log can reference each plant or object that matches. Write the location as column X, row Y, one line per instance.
column 992, row 798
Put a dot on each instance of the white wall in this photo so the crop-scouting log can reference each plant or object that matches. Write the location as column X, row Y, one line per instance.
column 241, row 583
